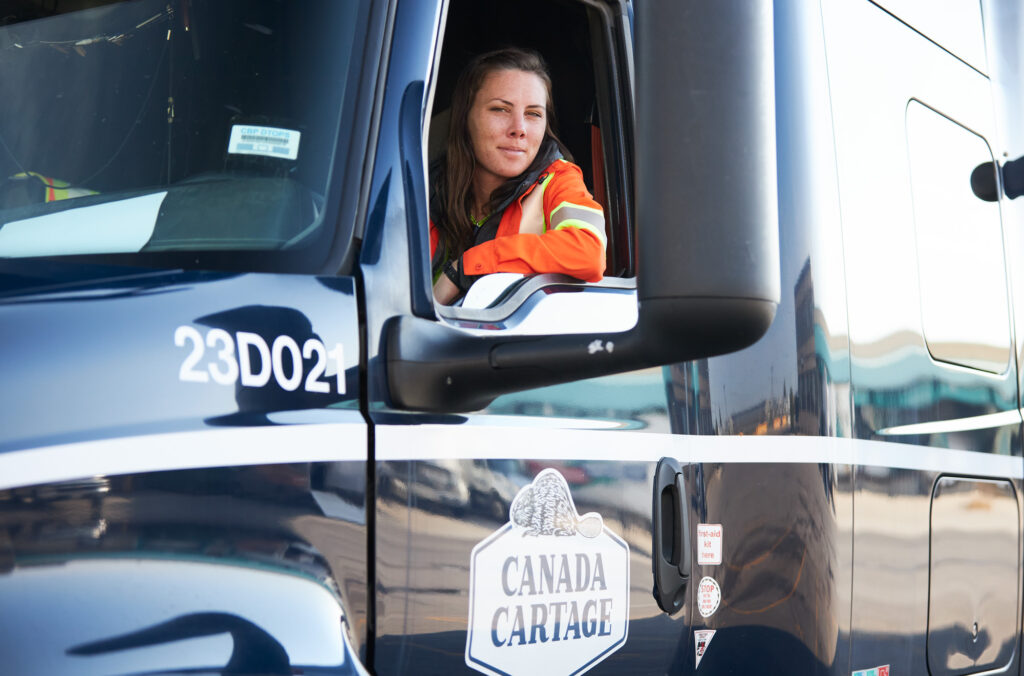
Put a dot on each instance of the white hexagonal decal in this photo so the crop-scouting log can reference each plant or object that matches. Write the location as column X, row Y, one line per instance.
column 549, row 591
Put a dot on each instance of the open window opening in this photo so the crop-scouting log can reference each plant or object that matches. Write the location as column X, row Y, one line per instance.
column 592, row 105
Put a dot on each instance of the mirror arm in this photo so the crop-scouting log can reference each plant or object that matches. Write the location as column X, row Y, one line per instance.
column 438, row 368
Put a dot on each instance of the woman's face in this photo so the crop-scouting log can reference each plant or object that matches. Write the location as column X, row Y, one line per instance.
column 506, row 125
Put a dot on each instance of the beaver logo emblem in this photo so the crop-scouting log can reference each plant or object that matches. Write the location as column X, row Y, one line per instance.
column 545, row 508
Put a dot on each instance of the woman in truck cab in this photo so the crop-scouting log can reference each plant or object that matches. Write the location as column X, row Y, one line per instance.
column 503, row 196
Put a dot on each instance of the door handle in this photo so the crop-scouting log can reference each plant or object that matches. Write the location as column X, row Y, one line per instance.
column 670, row 550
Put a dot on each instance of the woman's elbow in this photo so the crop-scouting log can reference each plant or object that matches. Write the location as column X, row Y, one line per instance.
column 592, row 263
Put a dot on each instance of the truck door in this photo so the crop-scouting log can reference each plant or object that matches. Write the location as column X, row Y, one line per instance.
column 458, row 586
column 517, row 537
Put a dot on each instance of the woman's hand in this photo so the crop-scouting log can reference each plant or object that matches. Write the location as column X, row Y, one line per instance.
column 445, row 291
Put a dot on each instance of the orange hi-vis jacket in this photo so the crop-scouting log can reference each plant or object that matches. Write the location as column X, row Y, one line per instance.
column 558, row 230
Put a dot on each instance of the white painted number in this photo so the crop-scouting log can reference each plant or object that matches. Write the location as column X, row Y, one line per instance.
column 188, row 371
column 227, row 355
column 313, row 382
column 254, row 362
column 339, row 369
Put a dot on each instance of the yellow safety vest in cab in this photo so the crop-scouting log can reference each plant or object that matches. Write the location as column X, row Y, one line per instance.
column 29, row 187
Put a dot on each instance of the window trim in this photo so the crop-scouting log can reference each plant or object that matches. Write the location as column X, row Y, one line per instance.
column 612, row 76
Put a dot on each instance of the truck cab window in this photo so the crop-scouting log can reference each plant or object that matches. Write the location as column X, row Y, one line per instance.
column 586, row 114
column 184, row 133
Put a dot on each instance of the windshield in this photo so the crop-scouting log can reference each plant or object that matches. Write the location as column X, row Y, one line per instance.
column 177, row 130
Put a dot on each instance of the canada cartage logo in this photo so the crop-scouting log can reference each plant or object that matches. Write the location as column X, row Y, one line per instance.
column 549, row 591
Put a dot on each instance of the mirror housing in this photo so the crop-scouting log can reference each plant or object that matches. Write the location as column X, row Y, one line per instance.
column 706, row 223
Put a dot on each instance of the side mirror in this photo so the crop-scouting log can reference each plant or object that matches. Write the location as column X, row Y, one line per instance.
column 706, row 223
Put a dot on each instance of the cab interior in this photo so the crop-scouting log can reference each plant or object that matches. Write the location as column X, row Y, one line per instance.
column 119, row 100
column 588, row 80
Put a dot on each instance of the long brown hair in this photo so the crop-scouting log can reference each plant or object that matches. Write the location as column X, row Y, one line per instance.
column 455, row 171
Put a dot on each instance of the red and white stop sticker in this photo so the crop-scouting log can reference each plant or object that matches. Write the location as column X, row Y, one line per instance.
column 709, row 595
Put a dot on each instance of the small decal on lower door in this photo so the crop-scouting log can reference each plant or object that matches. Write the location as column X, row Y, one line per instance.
column 701, row 640
column 874, row 671
column 549, row 591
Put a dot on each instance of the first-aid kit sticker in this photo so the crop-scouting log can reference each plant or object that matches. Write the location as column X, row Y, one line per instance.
column 549, row 591
column 709, row 544
column 267, row 141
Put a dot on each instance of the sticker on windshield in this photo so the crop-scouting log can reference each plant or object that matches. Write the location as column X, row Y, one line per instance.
column 549, row 591
column 267, row 141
